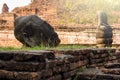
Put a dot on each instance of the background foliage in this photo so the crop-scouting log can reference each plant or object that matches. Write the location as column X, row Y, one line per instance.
column 84, row 11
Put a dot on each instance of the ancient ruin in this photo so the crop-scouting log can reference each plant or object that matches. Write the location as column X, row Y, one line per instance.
column 6, row 18
column 33, row 31
column 42, row 8
column 104, row 31
column 74, row 64
column 7, row 21
column 60, row 64
column 5, row 8
column 46, row 10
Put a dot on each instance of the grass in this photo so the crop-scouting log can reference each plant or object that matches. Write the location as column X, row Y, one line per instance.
column 8, row 48
column 61, row 47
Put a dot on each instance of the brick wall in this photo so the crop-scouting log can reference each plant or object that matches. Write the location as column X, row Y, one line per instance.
column 7, row 38
column 8, row 19
column 52, row 64
column 45, row 9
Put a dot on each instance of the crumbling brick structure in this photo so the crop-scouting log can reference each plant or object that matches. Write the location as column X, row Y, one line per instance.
column 7, row 21
column 5, row 8
column 56, row 65
column 45, row 9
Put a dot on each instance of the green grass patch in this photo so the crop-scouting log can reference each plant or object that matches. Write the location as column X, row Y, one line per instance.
column 8, row 48
column 61, row 47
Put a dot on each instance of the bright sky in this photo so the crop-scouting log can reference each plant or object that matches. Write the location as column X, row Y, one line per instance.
column 14, row 3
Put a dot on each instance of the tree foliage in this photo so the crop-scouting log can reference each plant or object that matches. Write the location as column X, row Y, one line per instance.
column 84, row 11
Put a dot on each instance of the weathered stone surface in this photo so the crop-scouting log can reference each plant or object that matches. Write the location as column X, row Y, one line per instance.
column 46, row 73
column 82, row 76
column 5, row 8
column 111, row 71
column 33, row 31
column 44, row 8
column 73, row 66
column 104, row 31
column 27, row 56
column 6, row 56
column 13, row 75
column 7, row 22
column 112, row 65
column 9, row 75
column 95, row 74
column 48, row 65
column 69, row 74
column 56, row 77
column 22, row 66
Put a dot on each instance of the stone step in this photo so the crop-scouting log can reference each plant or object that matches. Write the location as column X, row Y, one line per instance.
column 8, row 75
column 26, row 56
column 86, row 76
column 13, row 75
column 111, row 71
column 112, row 65
column 22, row 66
